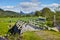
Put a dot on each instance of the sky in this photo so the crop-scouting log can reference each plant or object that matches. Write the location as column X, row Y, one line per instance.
column 28, row 5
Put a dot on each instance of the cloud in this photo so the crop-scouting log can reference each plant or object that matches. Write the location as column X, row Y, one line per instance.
column 10, row 8
column 54, row 6
column 30, row 6
column 51, row 6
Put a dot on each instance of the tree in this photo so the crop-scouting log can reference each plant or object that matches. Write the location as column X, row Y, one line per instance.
column 46, row 12
column 37, row 13
column 57, row 13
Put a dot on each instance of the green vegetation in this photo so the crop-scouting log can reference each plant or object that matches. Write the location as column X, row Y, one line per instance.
column 45, row 12
column 30, row 36
column 37, row 35
column 48, row 35
column 6, row 16
column 3, row 28
column 4, row 23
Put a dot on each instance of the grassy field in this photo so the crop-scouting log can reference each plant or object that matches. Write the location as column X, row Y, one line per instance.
column 4, row 23
column 48, row 35
column 30, row 36
column 39, row 35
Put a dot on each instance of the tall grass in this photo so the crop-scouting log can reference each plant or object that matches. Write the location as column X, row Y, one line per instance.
column 30, row 36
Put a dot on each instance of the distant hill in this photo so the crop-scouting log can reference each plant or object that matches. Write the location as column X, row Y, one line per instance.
column 22, row 13
column 31, row 13
column 8, row 13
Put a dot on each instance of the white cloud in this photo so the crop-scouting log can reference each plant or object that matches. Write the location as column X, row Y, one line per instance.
column 54, row 5
column 11, row 8
column 51, row 6
column 8, row 7
column 30, row 6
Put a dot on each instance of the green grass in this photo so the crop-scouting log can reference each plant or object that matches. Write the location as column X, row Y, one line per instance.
column 48, row 35
column 38, row 35
column 4, row 23
column 30, row 36
column 3, row 28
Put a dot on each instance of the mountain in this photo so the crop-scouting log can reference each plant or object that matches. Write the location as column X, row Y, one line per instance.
column 8, row 13
column 21, row 12
column 32, row 13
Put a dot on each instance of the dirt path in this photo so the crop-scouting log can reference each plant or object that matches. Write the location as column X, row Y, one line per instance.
column 46, row 35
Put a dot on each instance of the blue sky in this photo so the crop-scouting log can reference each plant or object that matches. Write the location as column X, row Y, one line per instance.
column 28, row 5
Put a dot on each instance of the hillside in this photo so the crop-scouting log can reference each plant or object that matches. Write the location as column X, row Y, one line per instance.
column 8, row 13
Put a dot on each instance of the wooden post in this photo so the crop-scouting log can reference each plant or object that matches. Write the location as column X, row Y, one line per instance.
column 54, row 21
